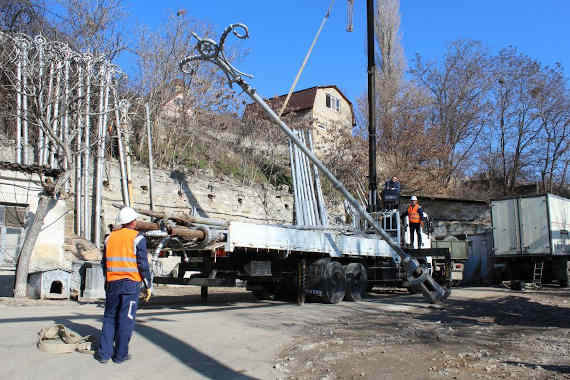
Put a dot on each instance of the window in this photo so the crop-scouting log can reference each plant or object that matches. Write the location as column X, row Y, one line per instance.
column 333, row 102
column 12, row 221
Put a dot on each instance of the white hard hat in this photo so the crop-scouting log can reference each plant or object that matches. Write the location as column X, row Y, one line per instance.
column 126, row 215
column 414, row 198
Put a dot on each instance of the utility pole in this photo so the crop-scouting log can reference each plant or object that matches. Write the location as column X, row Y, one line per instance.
column 372, row 185
column 150, row 164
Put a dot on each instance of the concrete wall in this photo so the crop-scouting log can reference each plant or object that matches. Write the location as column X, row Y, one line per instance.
column 455, row 217
column 21, row 188
column 215, row 197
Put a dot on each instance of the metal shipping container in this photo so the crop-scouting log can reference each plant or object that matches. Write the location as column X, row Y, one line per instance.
column 533, row 225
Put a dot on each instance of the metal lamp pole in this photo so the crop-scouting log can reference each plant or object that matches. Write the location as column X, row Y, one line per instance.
column 372, row 184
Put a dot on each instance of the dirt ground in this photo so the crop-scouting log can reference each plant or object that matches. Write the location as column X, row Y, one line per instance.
column 479, row 333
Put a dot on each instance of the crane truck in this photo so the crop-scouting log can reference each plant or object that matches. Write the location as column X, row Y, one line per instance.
column 318, row 261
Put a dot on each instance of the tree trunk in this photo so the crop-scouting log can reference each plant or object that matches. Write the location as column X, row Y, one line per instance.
column 20, row 290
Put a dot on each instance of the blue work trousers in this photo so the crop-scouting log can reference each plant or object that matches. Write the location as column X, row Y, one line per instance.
column 119, row 319
column 417, row 228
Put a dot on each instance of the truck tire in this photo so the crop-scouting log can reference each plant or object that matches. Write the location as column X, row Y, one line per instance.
column 356, row 281
column 334, row 283
column 517, row 285
column 414, row 289
column 564, row 273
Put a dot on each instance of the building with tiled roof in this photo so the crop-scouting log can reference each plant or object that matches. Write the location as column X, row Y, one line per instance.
column 325, row 108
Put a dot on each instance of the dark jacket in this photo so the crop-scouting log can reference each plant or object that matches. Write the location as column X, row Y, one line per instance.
column 391, row 185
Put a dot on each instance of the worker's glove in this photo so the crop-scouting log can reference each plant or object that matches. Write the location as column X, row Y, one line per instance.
column 147, row 295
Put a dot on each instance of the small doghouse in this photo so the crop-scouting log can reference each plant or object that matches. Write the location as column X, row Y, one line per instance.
column 51, row 284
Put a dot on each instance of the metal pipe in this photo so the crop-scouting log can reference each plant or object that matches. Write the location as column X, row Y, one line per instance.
column 55, row 121
column 183, row 232
column 309, row 218
column 124, row 189
column 149, row 141
column 100, row 157
column 25, row 104
column 78, row 187
column 299, row 189
column 124, row 119
column 298, row 211
column 301, row 216
column 65, row 127
column 108, row 72
column 310, row 187
column 40, row 145
column 372, row 181
column 294, row 179
column 321, row 198
column 180, row 219
column 48, row 114
column 19, row 105
column 301, row 182
column 86, row 146
column 314, row 205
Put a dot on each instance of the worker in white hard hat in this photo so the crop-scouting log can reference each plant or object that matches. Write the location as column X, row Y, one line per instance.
column 125, row 266
column 415, row 215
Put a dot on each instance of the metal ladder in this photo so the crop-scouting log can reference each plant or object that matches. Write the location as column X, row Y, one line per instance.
column 537, row 275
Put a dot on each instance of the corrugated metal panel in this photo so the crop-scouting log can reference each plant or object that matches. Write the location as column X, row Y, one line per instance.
column 559, row 210
column 534, row 226
column 506, row 240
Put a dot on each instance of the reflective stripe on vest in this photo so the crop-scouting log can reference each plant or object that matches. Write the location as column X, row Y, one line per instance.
column 120, row 255
column 414, row 213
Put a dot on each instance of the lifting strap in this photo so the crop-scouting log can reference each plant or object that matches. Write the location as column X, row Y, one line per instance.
column 57, row 339
column 306, row 59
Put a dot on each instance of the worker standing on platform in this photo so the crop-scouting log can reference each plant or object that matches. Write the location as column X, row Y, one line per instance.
column 125, row 266
column 391, row 194
column 415, row 215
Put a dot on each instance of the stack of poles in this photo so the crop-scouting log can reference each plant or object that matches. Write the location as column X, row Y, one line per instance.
column 72, row 92
column 310, row 209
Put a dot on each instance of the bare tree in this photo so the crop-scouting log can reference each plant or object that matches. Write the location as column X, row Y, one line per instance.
column 387, row 31
column 551, row 98
column 49, row 86
column 24, row 16
column 458, row 89
column 95, row 26
column 185, row 109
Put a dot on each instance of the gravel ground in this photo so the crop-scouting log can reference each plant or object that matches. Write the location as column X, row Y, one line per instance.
column 480, row 333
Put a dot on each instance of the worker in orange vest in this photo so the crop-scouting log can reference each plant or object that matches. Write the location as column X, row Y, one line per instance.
column 415, row 215
column 125, row 266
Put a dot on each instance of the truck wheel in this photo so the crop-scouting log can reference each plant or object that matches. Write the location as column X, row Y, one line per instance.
column 517, row 285
column 564, row 273
column 414, row 289
column 334, row 283
column 356, row 281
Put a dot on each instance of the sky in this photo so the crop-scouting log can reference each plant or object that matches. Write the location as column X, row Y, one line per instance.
column 282, row 31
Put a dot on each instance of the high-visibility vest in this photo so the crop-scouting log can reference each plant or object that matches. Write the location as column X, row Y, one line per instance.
column 414, row 213
column 121, row 257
